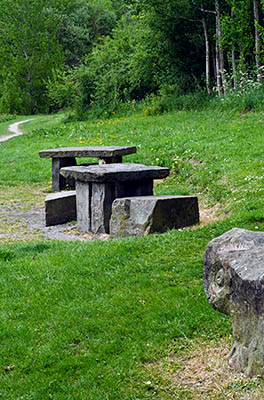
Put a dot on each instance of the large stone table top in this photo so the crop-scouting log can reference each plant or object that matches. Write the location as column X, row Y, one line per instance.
column 90, row 151
column 115, row 172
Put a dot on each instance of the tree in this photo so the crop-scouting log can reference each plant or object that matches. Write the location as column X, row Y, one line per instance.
column 29, row 50
column 256, row 6
column 82, row 26
column 238, row 39
column 220, row 69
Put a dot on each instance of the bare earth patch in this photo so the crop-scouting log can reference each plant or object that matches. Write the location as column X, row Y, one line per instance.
column 25, row 220
column 30, row 225
column 204, row 373
column 210, row 215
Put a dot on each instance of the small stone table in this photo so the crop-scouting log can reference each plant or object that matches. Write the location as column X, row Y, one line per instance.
column 97, row 186
column 65, row 157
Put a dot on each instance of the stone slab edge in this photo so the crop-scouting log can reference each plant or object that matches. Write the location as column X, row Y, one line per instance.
column 93, row 151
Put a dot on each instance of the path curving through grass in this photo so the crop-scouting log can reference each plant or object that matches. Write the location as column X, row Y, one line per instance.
column 15, row 129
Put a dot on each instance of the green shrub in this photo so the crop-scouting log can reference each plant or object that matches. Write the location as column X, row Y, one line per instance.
column 6, row 117
column 11, row 99
column 251, row 99
column 61, row 90
column 128, row 66
column 165, row 102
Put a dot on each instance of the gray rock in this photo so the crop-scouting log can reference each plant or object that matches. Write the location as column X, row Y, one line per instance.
column 139, row 216
column 60, row 208
column 234, row 285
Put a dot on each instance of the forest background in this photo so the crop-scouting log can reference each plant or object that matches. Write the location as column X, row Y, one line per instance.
column 103, row 54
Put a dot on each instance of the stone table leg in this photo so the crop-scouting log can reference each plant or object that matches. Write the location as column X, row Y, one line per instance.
column 110, row 160
column 83, row 206
column 103, row 195
column 94, row 206
column 58, row 181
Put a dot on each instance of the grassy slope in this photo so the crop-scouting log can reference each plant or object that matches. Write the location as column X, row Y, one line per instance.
column 86, row 320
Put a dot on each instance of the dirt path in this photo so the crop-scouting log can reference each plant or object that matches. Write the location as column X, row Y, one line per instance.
column 15, row 129
column 17, row 224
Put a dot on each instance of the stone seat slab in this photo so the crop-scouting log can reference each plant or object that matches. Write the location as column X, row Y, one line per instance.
column 60, row 208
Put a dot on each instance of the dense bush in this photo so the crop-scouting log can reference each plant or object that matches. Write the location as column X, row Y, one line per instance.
column 61, row 90
column 251, row 99
column 6, row 117
column 128, row 66
column 109, row 76
column 168, row 101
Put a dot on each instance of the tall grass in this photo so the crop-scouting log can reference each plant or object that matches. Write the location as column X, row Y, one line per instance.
column 250, row 99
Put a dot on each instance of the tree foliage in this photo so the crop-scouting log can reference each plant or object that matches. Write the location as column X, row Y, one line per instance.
column 29, row 51
column 106, row 52
column 82, row 26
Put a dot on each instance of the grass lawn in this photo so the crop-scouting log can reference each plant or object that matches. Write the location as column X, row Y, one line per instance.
column 127, row 319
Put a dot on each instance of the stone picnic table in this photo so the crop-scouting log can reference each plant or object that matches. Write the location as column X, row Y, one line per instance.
column 66, row 156
column 97, row 186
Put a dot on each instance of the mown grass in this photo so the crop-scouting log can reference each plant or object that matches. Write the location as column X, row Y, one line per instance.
column 81, row 317
column 90, row 320
column 217, row 155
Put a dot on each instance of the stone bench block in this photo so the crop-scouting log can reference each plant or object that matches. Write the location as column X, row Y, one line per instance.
column 141, row 215
column 60, row 208
column 234, row 285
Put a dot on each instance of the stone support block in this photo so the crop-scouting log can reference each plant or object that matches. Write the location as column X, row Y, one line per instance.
column 101, row 206
column 60, row 208
column 83, row 206
column 141, row 215
column 234, row 285
column 59, row 182
column 94, row 202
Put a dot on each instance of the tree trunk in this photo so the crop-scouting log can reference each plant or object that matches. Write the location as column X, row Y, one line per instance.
column 234, row 58
column 217, row 49
column 207, row 55
column 214, row 63
column 220, row 68
column 257, row 39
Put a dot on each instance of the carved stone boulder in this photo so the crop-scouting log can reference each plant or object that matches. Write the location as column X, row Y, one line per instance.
column 234, row 285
